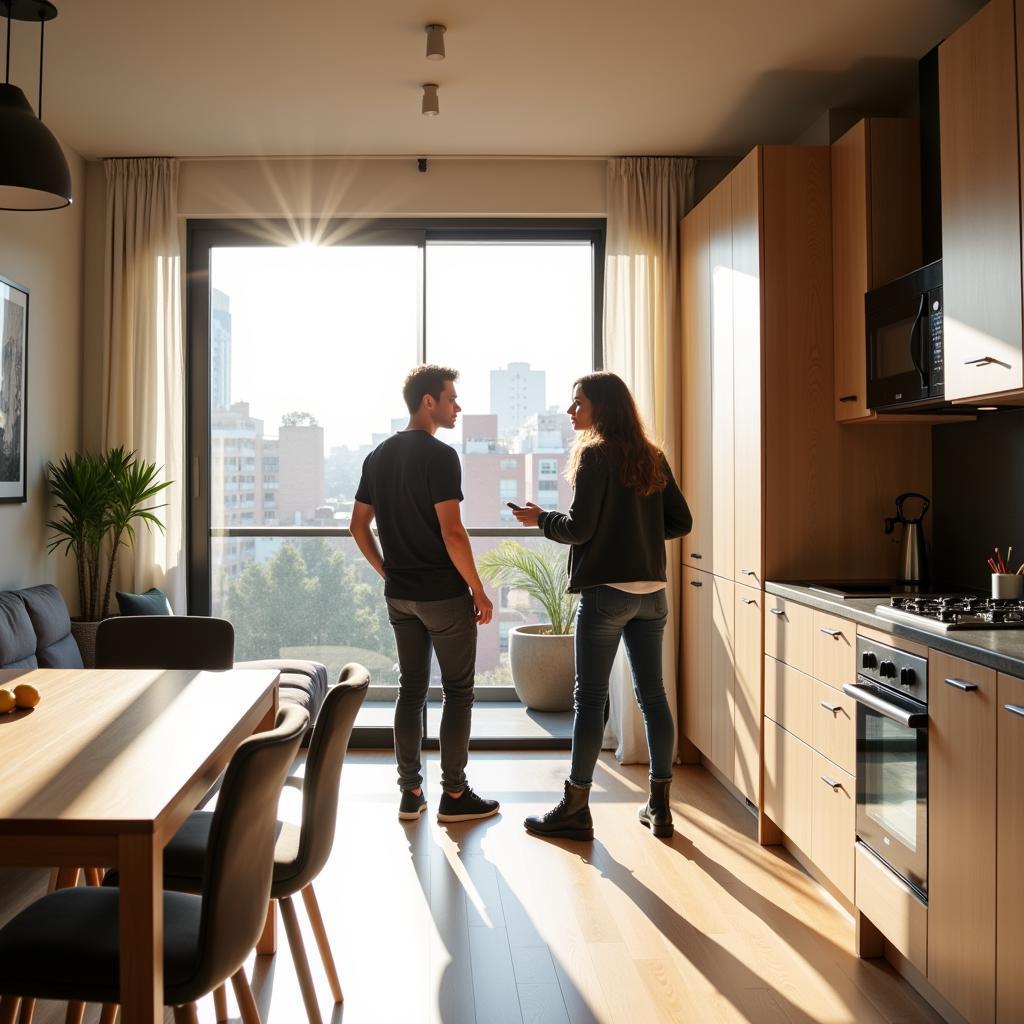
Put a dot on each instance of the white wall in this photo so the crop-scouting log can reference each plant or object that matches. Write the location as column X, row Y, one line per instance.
column 42, row 251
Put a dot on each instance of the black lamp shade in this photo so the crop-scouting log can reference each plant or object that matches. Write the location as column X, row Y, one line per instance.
column 33, row 172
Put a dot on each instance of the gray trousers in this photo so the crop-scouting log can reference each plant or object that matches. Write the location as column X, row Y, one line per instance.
column 447, row 627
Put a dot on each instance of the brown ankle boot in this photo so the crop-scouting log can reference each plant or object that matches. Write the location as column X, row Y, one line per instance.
column 656, row 813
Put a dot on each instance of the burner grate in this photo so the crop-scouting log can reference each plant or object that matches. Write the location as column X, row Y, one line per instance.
column 945, row 612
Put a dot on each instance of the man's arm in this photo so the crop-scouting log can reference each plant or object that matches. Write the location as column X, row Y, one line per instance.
column 362, row 516
column 456, row 540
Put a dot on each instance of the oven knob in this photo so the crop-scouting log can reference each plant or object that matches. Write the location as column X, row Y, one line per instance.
column 907, row 677
column 868, row 660
column 887, row 668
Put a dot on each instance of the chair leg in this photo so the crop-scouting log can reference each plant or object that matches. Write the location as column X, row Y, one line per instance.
column 220, row 1003
column 94, row 876
column 320, row 932
column 108, row 1015
column 28, row 1006
column 63, row 878
column 246, row 1003
column 291, row 928
column 9, row 1009
column 75, row 1014
column 186, row 1014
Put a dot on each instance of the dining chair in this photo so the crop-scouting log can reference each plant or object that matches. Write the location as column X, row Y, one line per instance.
column 165, row 641
column 66, row 945
column 302, row 851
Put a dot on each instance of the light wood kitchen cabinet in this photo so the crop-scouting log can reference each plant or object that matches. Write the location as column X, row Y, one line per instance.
column 1010, row 851
column 834, row 725
column 722, row 431
column 876, row 237
column 698, row 591
column 787, row 783
column 696, row 447
column 833, row 825
column 723, row 675
column 788, row 697
column 789, row 633
column 746, row 326
column 962, row 702
column 747, row 761
column 980, row 111
column 835, row 649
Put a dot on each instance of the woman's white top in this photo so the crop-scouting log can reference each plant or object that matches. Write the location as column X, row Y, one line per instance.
column 640, row 587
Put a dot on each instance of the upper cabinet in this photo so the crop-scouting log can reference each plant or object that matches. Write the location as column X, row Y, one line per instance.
column 980, row 111
column 876, row 237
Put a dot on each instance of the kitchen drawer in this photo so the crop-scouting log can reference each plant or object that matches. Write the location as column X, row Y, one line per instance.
column 833, row 822
column 835, row 649
column 787, row 697
column 787, row 633
column 834, row 725
column 892, row 907
column 787, row 783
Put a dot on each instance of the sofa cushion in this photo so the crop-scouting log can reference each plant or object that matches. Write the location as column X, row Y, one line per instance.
column 152, row 602
column 17, row 637
column 302, row 682
column 55, row 646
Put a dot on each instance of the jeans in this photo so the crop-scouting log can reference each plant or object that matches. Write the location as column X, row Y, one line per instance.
column 447, row 627
column 604, row 616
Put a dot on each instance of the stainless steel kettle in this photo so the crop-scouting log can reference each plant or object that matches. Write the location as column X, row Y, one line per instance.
column 913, row 553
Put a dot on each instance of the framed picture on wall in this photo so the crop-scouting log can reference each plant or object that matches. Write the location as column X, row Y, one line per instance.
column 13, row 390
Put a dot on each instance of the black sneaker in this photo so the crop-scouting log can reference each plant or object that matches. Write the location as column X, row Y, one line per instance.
column 466, row 807
column 412, row 806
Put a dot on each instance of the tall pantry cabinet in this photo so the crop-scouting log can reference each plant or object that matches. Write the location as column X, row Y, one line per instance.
column 777, row 488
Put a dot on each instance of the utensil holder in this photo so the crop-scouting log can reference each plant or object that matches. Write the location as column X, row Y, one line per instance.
column 1007, row 584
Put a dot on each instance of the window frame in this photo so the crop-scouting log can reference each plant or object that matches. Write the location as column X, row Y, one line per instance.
column 202, row 236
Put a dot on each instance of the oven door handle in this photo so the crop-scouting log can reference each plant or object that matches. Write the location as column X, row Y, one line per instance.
column 908, row 719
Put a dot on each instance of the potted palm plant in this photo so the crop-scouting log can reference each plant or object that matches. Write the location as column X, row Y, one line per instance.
column 99, row 497
column 540, row 656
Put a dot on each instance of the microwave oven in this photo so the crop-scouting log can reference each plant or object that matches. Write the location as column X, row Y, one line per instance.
column 904, row 341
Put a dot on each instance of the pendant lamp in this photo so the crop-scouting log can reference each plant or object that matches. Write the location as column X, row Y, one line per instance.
column 33, row 172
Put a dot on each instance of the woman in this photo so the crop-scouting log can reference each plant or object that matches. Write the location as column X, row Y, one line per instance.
column 625, row 505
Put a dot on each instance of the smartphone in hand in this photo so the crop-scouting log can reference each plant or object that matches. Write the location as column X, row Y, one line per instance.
column 515, row 508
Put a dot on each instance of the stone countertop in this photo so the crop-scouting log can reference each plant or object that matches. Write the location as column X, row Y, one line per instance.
column 1001, row 649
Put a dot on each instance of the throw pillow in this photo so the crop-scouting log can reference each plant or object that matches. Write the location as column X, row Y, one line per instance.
column 152, row 602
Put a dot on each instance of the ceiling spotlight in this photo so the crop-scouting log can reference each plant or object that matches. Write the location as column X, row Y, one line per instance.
column 435, row 42
column 430, row 107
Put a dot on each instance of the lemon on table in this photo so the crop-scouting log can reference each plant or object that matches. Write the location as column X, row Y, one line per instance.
column 8, row 701
column 26, row 695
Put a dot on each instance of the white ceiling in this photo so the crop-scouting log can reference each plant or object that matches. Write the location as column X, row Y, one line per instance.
column 523, row 77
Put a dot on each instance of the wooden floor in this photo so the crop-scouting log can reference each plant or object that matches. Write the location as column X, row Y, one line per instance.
column 481, row 924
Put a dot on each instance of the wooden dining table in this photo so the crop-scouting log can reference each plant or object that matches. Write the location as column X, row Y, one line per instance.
column 105, row 769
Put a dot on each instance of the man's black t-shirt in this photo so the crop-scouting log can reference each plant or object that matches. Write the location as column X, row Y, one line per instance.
column 403, row 479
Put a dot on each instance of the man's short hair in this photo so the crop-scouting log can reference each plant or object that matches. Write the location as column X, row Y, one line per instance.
column 426, row 380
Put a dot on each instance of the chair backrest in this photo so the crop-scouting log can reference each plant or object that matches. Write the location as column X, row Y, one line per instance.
column 165, row 641
column 240, row 853
column 324, row 761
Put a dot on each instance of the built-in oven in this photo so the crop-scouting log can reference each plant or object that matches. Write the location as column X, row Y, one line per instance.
column 891, row 692
column 905, row 358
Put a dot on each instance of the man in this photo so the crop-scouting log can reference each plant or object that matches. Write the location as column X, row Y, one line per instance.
column 412, row 485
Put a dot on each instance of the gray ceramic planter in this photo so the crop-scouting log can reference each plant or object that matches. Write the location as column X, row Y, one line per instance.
column 543, row 667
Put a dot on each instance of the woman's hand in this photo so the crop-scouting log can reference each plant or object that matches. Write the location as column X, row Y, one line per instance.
column 528, row 515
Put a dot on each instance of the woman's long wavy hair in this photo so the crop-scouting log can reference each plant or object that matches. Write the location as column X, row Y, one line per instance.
column 618, row 432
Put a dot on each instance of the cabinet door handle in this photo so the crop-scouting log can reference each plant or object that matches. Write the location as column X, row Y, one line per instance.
column 834, row 708
column 847, row 398
column 693, row 554
column 962, row 684
column 1015, row 709
column 777, row 611
column 836, row 786
column 747, row 572
column 696, row 583
column 749, row 600
column 834, row 633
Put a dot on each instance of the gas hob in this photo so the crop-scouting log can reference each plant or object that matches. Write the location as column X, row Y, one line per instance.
column 943, row 613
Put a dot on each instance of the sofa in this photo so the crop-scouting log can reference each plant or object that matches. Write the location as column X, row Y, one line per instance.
column 35, row 632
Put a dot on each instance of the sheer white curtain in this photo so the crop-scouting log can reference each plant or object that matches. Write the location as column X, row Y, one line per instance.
column 646, row 200
column 143, row 360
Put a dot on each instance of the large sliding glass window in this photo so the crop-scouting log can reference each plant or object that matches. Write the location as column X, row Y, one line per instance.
column 297, row 356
